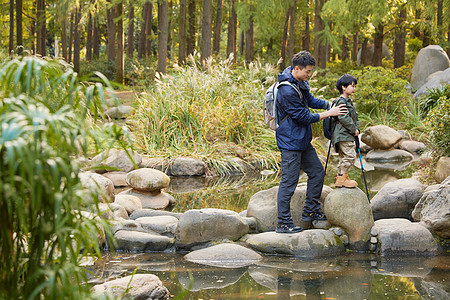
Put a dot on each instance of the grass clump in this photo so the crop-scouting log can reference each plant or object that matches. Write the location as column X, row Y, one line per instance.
column 210, row 114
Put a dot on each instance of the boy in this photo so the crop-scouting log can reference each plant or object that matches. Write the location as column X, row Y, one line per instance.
column 294, row 137
column 346, row 130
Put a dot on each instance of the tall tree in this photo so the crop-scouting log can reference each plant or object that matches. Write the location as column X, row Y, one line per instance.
column 306, row 41
column 148, row 29
column 205, row 47
column 378, row 45
column 120, row 76
column 41, row 28
column 96, row 38
column 191, row 27
column 291, row 41
column 218, row 27
column 249, row 42
column 319, row 25
column 11, row 27
column 64, row 36
column 285, row 38
column 71, row 34
column 77, row 40
column 400, row 39
column 111, row 31
column 344, row 53
column 130, row 33
column 355, row 46
column 89, row 38
column 143, row 33
column 19, row 25
column 182, row 33
column 163, row 34
column 232, row 25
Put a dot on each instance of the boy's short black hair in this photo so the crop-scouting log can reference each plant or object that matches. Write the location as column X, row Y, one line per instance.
column 345, row 80
column 303, row 59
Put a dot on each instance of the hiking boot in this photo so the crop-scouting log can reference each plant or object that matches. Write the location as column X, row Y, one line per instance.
column 314, row 216
column 283, row 228
column 345, row 181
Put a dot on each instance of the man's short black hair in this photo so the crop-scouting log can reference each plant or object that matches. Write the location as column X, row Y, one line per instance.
column 345, row 80
column 303, row 59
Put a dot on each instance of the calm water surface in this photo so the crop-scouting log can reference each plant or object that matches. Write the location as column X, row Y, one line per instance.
column 352, row 276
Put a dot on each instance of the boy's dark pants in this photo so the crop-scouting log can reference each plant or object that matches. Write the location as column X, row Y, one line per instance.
column 291, row 163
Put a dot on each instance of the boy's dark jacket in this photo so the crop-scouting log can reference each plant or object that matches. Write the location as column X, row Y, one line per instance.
column 347, row 124
column 294, row 133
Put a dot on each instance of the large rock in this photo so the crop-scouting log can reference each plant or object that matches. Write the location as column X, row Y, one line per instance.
column 129, row 202
column 436, row 80
column 397, row 199
column 442, row 169
column 350, row 210
column 226, row 255
column 433, row 209
column 411, row 146
column 137, row 286
column 119, row 112
column 263, row 206
column 147, row 180
column 147, row 212
column 388, row 156
column 429, row 60
column 98, row 185
column 135, row 241
column 120, row 159
column 165, row 225
column 370, row 51
column 400, row 236
column 209, row 224
column 308, row 243
column 153, row 200
column 381, row 137
column 186, row 166
column 119, row 179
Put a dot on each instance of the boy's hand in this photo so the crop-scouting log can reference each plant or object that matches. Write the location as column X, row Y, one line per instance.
column 338, row 110
column 356, row 132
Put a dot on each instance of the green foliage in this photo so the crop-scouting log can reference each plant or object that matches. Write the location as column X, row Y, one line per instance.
column 380, row 92
column 214, row 113
column 438, row 119
column 44, row 234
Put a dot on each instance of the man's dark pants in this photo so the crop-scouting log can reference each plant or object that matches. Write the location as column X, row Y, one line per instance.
column 291, row 163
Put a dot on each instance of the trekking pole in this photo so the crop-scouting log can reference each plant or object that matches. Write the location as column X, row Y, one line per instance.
column 362, row 168
column 328, row 156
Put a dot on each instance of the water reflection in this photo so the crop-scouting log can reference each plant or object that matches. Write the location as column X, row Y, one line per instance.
column 354, row 276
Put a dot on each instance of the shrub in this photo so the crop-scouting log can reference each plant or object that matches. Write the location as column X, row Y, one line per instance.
column 438, row 119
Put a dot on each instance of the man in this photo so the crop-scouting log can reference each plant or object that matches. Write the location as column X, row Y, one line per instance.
column 294, row 137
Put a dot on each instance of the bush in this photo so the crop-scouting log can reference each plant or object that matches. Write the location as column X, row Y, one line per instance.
column 438, row 119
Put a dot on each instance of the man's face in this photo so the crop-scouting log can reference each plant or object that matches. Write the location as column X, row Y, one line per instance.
column 302, row 74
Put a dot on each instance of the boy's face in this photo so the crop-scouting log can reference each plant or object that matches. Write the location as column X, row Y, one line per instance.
column 349, row 90
column 302, row 74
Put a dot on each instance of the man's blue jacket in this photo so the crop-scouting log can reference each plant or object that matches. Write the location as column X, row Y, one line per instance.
column 295, row 133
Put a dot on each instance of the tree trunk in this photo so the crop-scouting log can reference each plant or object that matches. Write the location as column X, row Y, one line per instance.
column 355, row 47
column 232, row 24
column 89, row 38
column 19, row 27
column 71, row 34
column 130, row 34
column 182, row 33
column 163, row 34
column 143, row 34
column 377, row 57
column 306, row 41
column 77, row 41
column 440, row 5
column 96, row 38
column 319, row 47
column 64, row 37
column 249, row 51
column 241, row 43
column 284, row 39
column 364, row 53
column 218, row 27
column 148, row 29
column 120, row 47
column 426, row 35
column 111, row 32
column 11, row 27
column 191, row 30
column 400, row 40
column 344, row 55
column 169, row 36
column 205, row 48
column 40, row 27
column 291, row 41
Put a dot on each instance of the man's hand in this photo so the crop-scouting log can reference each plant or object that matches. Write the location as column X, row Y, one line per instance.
column 338, row 110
